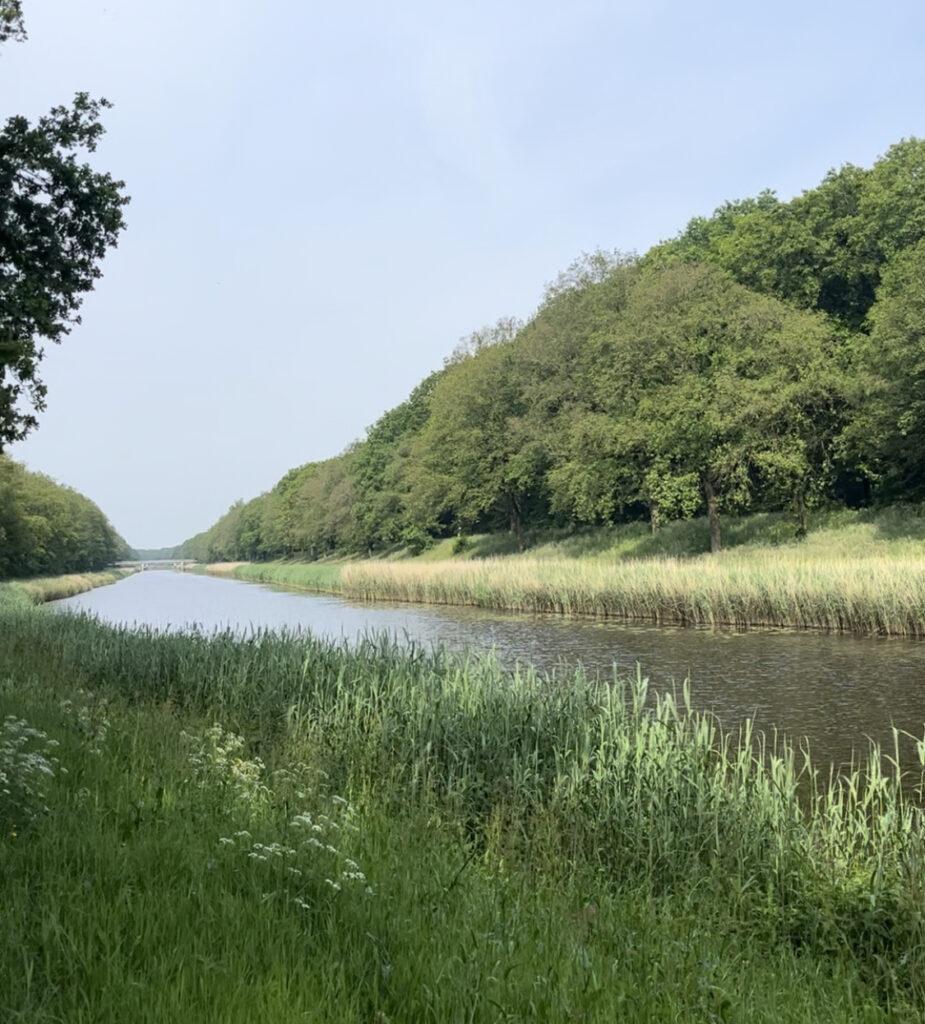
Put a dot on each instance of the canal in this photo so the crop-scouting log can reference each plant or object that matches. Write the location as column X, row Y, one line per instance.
column 837, row 690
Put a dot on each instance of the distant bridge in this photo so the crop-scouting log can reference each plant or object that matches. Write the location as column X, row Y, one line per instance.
column 175, row 564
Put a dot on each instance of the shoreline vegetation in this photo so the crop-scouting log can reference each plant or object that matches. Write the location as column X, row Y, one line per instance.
column 289, row 829
column 862, row 573
column 766, row 361
column 40, row 589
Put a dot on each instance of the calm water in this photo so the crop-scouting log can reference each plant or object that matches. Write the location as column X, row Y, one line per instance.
column 835, row 689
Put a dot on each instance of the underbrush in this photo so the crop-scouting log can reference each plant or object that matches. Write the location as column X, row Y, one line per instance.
column 283, row 829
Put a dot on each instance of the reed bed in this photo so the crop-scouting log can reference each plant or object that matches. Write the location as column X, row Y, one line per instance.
column 53, row 588
column 770, row 587
column 287, row 829
column 860, row 577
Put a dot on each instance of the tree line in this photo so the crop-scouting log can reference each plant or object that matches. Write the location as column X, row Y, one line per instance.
column 768, row 357
column 47, row 529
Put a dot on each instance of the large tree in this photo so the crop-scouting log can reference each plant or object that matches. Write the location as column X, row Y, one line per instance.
column 58, row 218
column 715, row 389
column 887, row 429
column 827, row 248
column 478, row 456
column 48, row 529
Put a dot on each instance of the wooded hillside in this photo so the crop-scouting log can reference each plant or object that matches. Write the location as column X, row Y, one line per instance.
column 769, row 357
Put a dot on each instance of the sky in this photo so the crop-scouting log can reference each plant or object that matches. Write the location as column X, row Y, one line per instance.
column 327, row 198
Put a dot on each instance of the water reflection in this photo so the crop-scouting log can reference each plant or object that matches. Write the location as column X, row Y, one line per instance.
column 838, row 690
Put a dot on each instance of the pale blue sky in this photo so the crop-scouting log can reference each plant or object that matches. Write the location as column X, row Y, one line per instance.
column 324, row 199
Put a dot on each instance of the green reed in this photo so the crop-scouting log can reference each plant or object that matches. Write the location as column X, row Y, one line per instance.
column 789, row 587
column 40, row 589
column 883, row 595
column 276, row 827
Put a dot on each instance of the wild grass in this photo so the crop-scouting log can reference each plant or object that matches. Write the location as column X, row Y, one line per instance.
column 790, row 586
column 860, row 572
column 278, row 828
column 40, row 589
column 897, row 530
column 37, row 590
column 317, row 576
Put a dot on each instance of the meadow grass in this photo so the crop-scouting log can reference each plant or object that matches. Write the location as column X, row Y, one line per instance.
column 280, row 828
column 317, row 576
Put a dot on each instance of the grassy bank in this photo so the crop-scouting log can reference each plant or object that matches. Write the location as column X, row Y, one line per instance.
column 40, row 589
column 856, row 572
column 281, row 829
column 322, row 577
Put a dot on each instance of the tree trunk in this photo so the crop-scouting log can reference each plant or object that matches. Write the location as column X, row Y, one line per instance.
column 799, row 504
column 716, row 537
column 517, row 526
column 655, row 517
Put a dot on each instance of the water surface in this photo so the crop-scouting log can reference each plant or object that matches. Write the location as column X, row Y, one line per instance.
column 836, row 689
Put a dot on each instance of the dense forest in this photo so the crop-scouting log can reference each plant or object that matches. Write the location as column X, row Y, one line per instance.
column 47, row 529
column 769, row 357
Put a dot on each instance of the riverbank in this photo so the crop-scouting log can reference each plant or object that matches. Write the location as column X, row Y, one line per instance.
column 53, row 588
column 285, row 829
column 862, row 574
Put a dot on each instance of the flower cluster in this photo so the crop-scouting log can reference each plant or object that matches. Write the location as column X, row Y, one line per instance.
column 322, row 833
column 216, row 759
column 27, row 762
column 91, row 716
column 314, row 853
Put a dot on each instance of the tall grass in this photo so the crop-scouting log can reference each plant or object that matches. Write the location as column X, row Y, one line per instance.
column 280, row 828
column 318, row 576
column 856, row 572
column 39, row 589
column 765, row 588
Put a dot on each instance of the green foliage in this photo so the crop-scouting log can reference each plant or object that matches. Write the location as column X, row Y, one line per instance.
column 47, row 529
column 59, row 219
column 888, row 429
column 382, row 468
column 764, row 360
column 478, row 453
column 712, row 386
column 827, row 248
column 11, row 23
column 436, row 840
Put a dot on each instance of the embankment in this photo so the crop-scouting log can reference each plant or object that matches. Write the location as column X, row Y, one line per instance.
column 881, row 593
column 285, row 829
column 52, row 588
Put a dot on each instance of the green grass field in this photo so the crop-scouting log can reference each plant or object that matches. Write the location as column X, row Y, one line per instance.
column 209, row 829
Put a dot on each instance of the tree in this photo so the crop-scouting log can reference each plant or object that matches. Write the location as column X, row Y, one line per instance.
column 58, row 218
column 379, row 468
column 504, row 330
column 11, row 24
column 48, row 529
column 477, row 455
column 888, row 425
column 713, row 386
column 823, row 250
